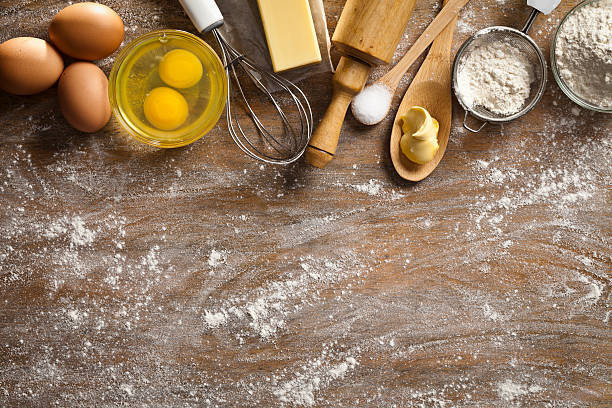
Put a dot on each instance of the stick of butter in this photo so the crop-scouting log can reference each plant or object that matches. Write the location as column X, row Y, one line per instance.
column 290, row 33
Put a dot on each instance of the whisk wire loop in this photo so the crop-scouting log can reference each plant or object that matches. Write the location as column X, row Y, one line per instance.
column 277, row 149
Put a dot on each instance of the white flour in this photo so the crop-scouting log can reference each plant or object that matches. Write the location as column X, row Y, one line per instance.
column 497, row 76
column 584, row 52
column 509, row 390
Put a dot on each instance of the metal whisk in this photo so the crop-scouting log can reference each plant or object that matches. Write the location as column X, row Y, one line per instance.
column 283, row 147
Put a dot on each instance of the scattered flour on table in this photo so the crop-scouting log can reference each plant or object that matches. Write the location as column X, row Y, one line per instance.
column 79, row 234
column 560, row 186
column 265, row 310
column 372, row 188
column 376, row 188
column 489, row 313
column 465, row 21
column 509, row 390
column 595, row 289
column 584, row 52
column 310, row 378
column 496, row 75
column 216, row 258
column 215, row 320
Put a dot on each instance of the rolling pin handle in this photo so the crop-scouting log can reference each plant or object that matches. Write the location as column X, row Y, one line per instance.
column 349, row 79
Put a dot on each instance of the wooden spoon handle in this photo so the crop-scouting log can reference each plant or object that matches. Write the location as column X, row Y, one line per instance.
column 441, row 46
column 448, row 13
column 349, row 79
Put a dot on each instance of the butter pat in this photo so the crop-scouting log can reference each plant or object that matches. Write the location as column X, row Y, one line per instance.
column 290, row 33
column 419, row 143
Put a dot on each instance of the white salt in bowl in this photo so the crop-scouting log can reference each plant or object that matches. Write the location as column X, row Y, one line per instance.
column 555, row 68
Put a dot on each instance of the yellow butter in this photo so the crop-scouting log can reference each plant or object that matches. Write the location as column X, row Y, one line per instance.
column 290, row 33
column 419, row 143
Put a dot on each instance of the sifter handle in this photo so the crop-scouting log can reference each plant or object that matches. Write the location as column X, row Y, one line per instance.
column 204, row 14
column 530, row 20
column 471, row 129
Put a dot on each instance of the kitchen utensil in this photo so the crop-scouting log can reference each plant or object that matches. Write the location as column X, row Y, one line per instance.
column 367, row 34
column 295, row 126
column 520, row 40
column 430, row 89
column 555, row 69
column 448, row 14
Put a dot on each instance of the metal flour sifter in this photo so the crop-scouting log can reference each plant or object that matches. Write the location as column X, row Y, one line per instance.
column 527, row 47
column 287, row 141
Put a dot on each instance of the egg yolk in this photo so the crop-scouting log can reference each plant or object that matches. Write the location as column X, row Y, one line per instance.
column 180, row 69
column 165, row 108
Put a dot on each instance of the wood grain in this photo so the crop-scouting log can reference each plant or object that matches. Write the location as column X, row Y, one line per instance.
column 370, row 32
column 132, row 276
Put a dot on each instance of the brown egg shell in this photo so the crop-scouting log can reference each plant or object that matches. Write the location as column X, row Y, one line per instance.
column 28, row 65
column 83, row 97
column 88, row 31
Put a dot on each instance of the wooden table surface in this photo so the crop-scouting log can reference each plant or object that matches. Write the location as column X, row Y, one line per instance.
column 194, row 277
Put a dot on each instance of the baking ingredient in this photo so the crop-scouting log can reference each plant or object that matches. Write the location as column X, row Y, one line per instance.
column 28, row 65
column 584, row 52
column 83, row 97
column 165, row 108
column 88, row 31
column 290, row 33
column 544, row 6
column 496, row 75
column 419, row 143
column 135, row 74
column 371, row 105
column 180, row 68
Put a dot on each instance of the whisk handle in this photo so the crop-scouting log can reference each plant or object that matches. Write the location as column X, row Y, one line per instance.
column 349, row 79
column 204, row 14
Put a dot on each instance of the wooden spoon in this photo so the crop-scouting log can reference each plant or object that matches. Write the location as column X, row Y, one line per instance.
column 431, row 89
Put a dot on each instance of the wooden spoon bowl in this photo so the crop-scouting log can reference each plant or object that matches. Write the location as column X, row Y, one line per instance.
column 430, row 89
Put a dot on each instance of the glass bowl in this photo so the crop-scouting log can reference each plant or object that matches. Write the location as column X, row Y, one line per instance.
column 555, row 69
column 135, row 74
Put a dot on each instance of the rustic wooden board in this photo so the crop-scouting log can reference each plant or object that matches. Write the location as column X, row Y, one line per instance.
column 196, row 277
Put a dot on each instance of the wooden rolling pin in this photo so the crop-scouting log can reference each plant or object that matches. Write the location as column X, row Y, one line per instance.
column 367, row 34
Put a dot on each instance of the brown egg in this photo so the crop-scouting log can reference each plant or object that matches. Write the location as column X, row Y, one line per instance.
column 28, row 65
column 88, row 31
column 83, row 97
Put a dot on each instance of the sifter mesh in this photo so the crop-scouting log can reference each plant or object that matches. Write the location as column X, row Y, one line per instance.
column 526, row 46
